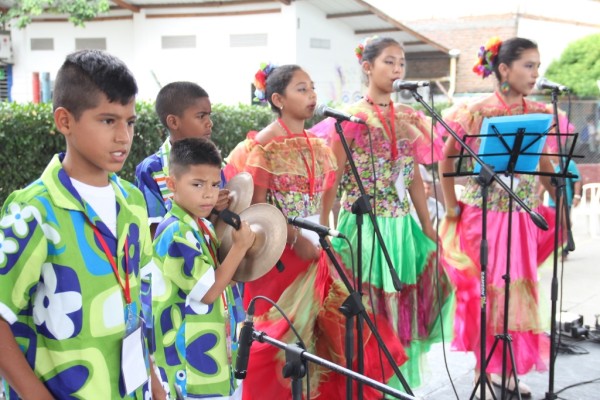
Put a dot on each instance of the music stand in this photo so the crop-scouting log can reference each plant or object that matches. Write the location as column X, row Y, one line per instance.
column 511, row 145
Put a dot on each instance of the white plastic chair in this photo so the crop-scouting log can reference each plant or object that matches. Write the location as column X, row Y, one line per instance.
column 589, row 207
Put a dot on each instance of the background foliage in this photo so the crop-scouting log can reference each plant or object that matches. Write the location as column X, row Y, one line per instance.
column 78, row 11
column 28, row 139
column 579, row 67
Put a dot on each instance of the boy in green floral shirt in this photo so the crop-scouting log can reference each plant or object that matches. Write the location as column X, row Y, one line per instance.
column 71, row 248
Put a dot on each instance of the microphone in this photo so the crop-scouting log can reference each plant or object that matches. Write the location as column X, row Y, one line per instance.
column 324, row 111
column 399, row 85
column 543, row 83
column 246, row 339
column 311, row 226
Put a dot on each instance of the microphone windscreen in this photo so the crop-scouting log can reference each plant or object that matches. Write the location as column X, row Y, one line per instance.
column 320, row 110
column 539, row 84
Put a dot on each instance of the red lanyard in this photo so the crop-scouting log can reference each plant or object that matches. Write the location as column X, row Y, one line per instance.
column 389, row 129
column 311, row 172
column 212, row 251
column 501, row 100
column 113, row 263
column 212, row 243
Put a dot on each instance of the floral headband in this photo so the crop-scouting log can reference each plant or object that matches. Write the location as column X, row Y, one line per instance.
column 359, row 50
column 487, row 57
column 260, row 81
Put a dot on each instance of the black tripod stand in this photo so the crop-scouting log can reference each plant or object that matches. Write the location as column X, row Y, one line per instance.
column 296, row 367
column 518, row 148
column 485, row 178
column 559, row 183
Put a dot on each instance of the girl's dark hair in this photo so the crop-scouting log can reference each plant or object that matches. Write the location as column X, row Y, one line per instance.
column 375, row 46
column 278, row 80
column 510, row 51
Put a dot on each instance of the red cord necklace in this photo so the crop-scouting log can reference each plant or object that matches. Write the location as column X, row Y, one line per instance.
column 310, row 171
column 389, row 129
column 501, row 100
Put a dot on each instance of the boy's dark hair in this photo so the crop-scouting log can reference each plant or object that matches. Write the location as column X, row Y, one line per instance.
column 193, row 151
column 278, row 80
column 510, row 51
column 175, row 98
column 87, row 73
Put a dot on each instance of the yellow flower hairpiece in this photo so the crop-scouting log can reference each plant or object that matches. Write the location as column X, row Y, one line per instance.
column 486, row 58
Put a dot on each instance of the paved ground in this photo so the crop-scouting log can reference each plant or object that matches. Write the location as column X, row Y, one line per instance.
column 579, row 283
column 580, row 287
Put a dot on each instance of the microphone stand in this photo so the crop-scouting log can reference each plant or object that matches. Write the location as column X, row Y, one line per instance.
column 485, row 178
column 559, row 190
column 296, row 367
column 360, row 207
column 363, row 206
column 354, row 302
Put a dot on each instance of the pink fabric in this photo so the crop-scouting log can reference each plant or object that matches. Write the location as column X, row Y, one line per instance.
column 467, row 118
column 530, row 246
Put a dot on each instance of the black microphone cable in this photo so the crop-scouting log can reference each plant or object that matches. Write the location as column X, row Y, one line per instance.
column 438, row 290
column 559, row 224
column 291, row 325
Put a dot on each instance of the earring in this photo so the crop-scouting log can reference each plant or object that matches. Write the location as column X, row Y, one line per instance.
column 281, row 108
column 504, row 87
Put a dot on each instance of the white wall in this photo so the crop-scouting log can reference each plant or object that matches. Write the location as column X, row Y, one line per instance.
column 226, row 73
column 119, row 41
column 335, row 71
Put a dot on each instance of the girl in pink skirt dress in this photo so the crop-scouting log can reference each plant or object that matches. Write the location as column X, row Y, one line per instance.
column 515, row 64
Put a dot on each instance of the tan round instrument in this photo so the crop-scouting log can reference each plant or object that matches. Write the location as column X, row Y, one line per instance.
column 241, row 189
column 270, row 227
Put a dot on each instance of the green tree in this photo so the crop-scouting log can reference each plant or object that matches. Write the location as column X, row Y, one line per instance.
column 78, row 11
column 579, row 66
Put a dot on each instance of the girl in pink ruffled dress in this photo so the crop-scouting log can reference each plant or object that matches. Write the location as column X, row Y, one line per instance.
column 515, row 64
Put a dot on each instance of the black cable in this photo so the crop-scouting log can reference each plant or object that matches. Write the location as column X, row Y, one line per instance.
column 372, row 260
column 291, row 325
column 437, row 259
column 565, row 208
column 577, row 384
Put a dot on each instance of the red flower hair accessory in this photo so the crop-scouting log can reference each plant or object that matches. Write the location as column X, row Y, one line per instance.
column 359, row 50
column 486, row 58
column 260, row 80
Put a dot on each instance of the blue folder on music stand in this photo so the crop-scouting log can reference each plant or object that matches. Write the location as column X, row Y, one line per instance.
column 499, row 135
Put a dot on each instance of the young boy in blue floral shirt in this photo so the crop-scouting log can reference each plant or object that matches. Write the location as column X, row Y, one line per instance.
column 184, row 110
column 71, row 247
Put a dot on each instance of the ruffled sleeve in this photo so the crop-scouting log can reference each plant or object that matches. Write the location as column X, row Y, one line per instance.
column 414, row 125
column 326, row 129
column 281, row 164
column 564, row 125
column 463, row 121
